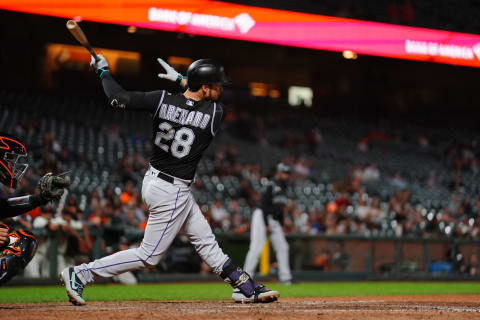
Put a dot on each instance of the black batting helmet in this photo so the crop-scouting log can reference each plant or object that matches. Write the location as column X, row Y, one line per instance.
column 12, row 152
column 205, row 71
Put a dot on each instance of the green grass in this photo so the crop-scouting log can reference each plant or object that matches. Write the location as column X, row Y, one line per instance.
column 221, row 291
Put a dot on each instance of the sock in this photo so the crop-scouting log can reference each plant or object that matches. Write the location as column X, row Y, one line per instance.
column 237, row 278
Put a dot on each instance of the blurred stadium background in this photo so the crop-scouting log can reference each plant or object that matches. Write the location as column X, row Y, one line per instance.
column 385, row 151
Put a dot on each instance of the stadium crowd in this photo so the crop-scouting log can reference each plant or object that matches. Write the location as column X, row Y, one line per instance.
column 367, row 198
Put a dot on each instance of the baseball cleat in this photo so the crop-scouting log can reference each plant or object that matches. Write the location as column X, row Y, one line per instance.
column 262, row 295
column 73, row 286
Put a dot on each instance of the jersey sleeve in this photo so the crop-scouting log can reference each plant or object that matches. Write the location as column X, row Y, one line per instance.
column 218, row 117
column 132, row 100
column 16, row 206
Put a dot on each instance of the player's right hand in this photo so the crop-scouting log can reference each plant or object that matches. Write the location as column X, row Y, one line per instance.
column 100, row 64
column 4, row 238
column 170, row 73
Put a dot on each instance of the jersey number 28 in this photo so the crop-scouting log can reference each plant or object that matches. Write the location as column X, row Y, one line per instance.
column 182, row 139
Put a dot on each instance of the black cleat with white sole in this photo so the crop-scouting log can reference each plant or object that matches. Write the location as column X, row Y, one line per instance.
column 73, row 286
column 262, row 295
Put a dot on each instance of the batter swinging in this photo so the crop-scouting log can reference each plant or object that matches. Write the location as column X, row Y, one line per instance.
column 184, row 124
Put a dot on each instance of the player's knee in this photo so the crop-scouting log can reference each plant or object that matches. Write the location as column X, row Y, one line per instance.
column 151, row 262
column 149, row 259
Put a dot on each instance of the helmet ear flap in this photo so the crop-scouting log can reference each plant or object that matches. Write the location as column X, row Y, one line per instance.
column 193, row 86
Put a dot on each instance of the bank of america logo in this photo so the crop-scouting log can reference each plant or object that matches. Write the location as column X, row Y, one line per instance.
column 244, row 22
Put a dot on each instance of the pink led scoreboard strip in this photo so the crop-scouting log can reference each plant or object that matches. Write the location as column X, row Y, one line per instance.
column 225, row 20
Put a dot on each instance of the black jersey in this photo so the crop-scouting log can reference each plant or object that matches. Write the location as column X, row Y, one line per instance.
column 274, row 200
column 182, row 129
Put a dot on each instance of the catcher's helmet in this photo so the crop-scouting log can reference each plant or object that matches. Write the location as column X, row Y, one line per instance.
column 205, row 71
column 12, row 153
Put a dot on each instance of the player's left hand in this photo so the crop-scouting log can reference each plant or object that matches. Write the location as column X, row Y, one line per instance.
column 100, row 64
column 170, row 74
column 52, row 187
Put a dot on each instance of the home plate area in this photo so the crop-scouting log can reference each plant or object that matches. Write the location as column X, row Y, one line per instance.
column 399, row 307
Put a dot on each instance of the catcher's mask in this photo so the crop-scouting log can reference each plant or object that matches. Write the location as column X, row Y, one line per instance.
column 13, row 157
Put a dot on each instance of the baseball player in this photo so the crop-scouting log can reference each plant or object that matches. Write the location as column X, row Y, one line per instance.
column 184, row 124
column 270, row 217
column 18, row 246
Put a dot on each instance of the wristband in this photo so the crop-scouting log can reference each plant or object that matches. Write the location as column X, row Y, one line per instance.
column 180, row 78
column 101, row 71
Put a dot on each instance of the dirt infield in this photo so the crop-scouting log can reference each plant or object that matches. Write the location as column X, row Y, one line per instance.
column 398, row 307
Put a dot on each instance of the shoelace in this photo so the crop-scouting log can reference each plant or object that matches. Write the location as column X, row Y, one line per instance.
column 261, row 288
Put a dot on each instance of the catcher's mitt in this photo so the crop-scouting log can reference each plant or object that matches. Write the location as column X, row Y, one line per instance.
column 51, row 186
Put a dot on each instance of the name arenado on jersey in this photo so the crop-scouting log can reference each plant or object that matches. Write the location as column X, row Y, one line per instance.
column 183, row 116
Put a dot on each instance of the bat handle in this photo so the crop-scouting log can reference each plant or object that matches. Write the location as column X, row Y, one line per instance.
column 93, row 54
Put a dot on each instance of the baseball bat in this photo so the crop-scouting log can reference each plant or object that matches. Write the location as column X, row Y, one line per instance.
column 77, row 32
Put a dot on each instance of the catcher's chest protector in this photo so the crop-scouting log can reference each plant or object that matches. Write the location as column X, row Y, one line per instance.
column 17, row 254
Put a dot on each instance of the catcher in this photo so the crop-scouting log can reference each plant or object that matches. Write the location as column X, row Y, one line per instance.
column 17, row 247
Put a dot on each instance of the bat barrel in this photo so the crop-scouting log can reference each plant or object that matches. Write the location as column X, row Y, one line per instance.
column 77, row 32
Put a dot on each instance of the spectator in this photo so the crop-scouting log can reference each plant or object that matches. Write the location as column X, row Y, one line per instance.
column 342, row 200
column 331, row 224
column 362, row 145
column 220, row 216
column 128, row 194
column 472, row 268
column 302, row 168
column 40, row 264
column 371, row 174
column 300, row 220
column 314, row 223
column 398, row 182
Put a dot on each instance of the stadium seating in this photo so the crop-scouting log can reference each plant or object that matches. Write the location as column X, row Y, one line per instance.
column 97, row 138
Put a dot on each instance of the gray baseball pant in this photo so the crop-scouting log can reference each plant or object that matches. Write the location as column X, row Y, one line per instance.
column 171, row 206
column 258, row 236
